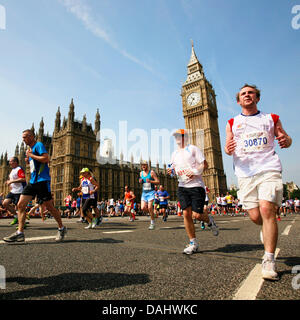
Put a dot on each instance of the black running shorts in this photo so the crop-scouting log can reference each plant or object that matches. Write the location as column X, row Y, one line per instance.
column 40, row 189
column 14, row 197
column 192, row 197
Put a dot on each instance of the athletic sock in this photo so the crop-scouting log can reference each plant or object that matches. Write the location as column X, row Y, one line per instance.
column 269, row 256
column 194, row 241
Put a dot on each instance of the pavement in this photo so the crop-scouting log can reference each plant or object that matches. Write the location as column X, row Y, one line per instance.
column 122, row 260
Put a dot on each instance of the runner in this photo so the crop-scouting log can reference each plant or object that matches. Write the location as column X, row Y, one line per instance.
column 219, row 204
column 149, row 179
column 250, row 139
column 163, row 197
column 188, row 163
column 156, row 202
column 111, row 207
column 229, row 198
column 68, row 202
column 16, row 184
column 88, row 187
column 224, row 204
column 297, row 205
column 129, row 203
column 39, row 186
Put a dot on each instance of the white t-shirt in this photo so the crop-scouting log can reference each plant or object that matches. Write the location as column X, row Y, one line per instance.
column 16, row 173
column 255, row 150
column 224, row 201
column 219, row 200
column 185, row 160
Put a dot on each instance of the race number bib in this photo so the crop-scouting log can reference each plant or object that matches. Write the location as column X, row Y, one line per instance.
column 128, row 203
column 32, row 167
column 254, row 141
column 85, row 190
column 181, row 173
column 161, row 199
column 147, row 186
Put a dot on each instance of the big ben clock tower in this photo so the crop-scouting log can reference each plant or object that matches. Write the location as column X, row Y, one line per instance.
column 201, row 115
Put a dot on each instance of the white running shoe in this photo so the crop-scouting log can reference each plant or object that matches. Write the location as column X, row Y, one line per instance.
column 89, row 226
column 191, row 248
column 268, row 270
column 152, row 226
column 94, row 223
column 213, row 227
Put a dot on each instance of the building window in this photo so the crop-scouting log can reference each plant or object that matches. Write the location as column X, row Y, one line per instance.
column 76, row 176
column 90, row 151
column 77, row 149
column 60, row 174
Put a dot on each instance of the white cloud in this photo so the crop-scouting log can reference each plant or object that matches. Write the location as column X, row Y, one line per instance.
column 83, row 13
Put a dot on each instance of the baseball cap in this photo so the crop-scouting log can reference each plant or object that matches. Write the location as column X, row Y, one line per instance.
column 180, row 131
column 85, row 170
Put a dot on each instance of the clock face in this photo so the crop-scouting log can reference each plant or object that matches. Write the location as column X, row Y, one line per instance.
column 193, row 99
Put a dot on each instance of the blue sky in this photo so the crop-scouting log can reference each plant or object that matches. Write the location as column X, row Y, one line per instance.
column 129, row 59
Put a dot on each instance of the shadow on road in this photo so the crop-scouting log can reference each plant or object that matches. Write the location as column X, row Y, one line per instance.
column 232, row 248
column 71, row 282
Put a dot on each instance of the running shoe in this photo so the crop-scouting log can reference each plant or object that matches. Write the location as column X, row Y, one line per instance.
column 61, row 234
column 202, row 225
column 213, row 227
column 25, row 226
column 191, row 248
column 15, row 237
column 89, row 226
column 269, row 270
column 94, row 223
column 151, row 227
column 99, row 221
column 15, row 221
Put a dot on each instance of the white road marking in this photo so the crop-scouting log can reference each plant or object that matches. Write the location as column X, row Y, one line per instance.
column 123, row 231
column 250, row 287
column 286, row 230
column 32, row 239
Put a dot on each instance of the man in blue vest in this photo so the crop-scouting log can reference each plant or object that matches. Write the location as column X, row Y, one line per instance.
column 39, row 185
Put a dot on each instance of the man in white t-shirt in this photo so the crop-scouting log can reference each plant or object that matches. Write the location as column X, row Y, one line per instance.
column 250, row 139
column 16, row 184
column 188, row 162
column 219, row 204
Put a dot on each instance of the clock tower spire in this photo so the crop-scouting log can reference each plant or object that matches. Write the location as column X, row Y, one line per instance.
column 201, row 119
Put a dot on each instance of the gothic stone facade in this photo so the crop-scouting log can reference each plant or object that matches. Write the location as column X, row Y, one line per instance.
column 72, row 147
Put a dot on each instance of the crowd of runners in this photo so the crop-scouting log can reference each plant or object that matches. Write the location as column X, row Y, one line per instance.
column 250, row 139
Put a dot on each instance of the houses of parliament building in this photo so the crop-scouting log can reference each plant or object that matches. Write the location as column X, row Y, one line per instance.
column 74, row 145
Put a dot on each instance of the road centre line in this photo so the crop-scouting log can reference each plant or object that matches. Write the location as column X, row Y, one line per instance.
column 251, row 286
column 122, row 231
